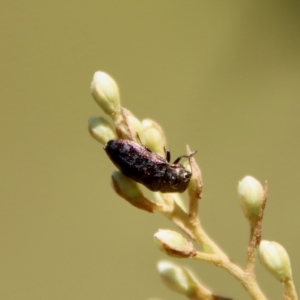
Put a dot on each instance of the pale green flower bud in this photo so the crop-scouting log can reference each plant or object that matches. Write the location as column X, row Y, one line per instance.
column 154, row 137
column 130, row 191
column 276, row 260
column 174, row 244
column 101, row 130
column 178, row 279
column 182, row 281
column 251, row 195
column 106, row 93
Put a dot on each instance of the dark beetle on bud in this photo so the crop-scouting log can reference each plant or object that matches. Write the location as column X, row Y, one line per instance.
column 153, row 171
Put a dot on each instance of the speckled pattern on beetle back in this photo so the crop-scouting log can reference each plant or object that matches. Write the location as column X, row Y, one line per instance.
column 148, row 168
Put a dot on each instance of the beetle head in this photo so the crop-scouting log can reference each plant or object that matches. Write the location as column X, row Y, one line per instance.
column 176, row 179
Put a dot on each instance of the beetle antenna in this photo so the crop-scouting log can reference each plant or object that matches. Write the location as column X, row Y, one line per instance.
column 176, row 161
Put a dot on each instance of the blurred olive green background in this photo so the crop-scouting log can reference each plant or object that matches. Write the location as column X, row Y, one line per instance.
column 222, row 76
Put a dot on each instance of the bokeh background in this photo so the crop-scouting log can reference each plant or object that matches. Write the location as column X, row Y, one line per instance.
column 222, row 76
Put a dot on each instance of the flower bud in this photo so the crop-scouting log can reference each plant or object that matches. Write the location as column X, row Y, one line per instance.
column 130, row 191
column 182, row 281
column 101, row 130
column 174, row 244
column 251, row 195
column 154, row 137
column 276, row 260
column 176, row 278
column 106, row 93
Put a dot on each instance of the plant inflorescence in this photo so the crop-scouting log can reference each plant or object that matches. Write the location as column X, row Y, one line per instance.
column 253, row 198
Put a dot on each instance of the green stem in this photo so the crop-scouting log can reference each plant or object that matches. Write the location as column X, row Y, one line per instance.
column 290, row 289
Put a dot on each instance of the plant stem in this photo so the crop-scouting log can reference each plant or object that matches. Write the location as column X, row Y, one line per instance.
column 220, row 259
column 290, row 289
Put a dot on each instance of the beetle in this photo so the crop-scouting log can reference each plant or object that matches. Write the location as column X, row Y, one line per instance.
column 148, row 168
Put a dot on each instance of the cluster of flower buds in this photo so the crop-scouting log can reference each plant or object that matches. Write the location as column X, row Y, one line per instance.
column 106, row 94
column 125, row 125
column 272, row 255
column 251, row 193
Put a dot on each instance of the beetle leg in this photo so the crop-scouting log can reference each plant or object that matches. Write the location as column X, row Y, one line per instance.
column 168, row 154
column 176, row 161
column 139, row 139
